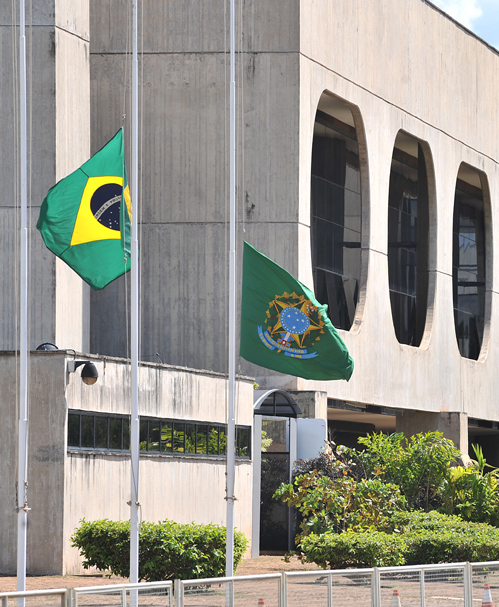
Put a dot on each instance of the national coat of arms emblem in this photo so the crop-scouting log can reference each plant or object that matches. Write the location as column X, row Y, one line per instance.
column 294, row 324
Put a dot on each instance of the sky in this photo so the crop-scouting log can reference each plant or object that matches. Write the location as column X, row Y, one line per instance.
column 479, row 16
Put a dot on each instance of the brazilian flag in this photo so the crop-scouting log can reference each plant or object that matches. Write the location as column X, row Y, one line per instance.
column 283, row 326
column 85, row 218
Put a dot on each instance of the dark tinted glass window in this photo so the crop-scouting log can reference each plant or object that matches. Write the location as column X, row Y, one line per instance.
column 115, row 433
column 223, row 442
column 213, row 440
column 408, row 241
column 101, row 432
column 468, row 269
column 201, row 438
column 126, row 433
column 87, row 431
column 179, row 437
column 143, row 434
column 166, row 437
column 73, row 430
column 154, row 435
column 190, row 438
column 336, row 217
column 94, row 431
column 243, row 442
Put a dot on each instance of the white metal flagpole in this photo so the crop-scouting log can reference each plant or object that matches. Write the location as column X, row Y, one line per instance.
column 231, row 430
column 22, row 482
column 134, row 341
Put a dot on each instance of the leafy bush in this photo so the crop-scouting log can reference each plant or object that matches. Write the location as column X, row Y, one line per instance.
column 436, row 538
column 337, row 504
column 473, row 493
column 354, row 549
column 418, row 538
column 419, row 465
column 333, row 461
column 167, row 550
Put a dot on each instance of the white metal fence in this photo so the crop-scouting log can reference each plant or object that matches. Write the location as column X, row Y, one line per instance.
column 456, row 585
column 150, row 594
column 56, row 597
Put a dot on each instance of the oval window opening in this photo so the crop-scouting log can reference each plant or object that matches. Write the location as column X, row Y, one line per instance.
column 468, row 262
column 408, row 244
column 336, row 207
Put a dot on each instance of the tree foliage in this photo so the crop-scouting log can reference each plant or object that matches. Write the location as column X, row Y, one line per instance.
column 472, row 492
column 336, row 501
column 419, row 465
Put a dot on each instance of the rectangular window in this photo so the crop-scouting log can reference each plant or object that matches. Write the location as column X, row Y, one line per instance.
column 73, row 430
column 201, row 435
column 243, row 442
column 154, row 435
column 115, row 433
column 87, row 431
column 168, row 437
column 190, row 438
column 223, row 442
column 126, row 434
column 143, row 434
column 101, row 432
column 178, row 437
column 213, row 441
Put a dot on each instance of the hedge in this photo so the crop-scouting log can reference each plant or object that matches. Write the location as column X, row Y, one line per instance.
column 354, row 549
column 437, row 538
column 167, row 550
column 417, row 538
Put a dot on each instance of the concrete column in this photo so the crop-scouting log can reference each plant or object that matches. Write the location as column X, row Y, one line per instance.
column 454, row 426
column 59, row 142
column 313, row 404
column 46, row 457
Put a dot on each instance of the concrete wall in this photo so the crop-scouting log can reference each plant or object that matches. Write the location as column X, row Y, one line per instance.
column 66, row 485
column 184, row 163
column 183, row 489
column 58, row 114
column 47, row 415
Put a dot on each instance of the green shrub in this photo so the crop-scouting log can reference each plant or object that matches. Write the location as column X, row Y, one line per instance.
column 336, row 504
column 417, row 538
column 167, row 550
column 419, row 465
column 436, row 538
column 354, row 549
column 472, row 492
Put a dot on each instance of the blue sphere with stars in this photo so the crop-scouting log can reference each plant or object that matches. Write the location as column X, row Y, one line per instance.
column 294, row 321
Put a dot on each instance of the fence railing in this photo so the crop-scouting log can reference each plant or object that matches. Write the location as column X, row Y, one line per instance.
column 410, row 586
column 157, row 594
column 57, row 597
column 456, row 584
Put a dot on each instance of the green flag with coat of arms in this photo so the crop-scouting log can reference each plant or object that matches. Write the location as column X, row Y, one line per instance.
column 283, row 326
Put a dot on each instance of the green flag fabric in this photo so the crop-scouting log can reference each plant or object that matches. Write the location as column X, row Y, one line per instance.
column 84, row 221
column 284, row 328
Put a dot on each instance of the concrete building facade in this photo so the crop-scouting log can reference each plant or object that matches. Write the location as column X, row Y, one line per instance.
column 400, row 77
column 368, row 156
column 86, row 474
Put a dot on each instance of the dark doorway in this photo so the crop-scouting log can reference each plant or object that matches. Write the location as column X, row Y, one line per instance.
column 274, row 515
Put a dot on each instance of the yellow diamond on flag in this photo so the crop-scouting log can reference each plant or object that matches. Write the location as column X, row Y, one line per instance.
column 99, row 212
